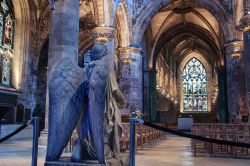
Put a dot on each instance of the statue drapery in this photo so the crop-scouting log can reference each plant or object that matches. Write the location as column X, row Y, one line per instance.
column 100, row 127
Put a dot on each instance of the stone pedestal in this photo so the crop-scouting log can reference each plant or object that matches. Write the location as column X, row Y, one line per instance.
column 43, row 138
column 67, row 163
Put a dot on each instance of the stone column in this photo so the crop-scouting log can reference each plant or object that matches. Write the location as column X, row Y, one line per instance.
column 245, row 28
column 63, row 47
column 153, row 95
column 44, row 134
column 130, row 81
column 235, row 81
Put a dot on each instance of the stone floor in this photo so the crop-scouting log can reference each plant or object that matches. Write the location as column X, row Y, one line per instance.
column 172, row 151
column 176, row 151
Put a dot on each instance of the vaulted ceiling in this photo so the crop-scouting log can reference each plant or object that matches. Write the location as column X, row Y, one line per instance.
column 184, row 27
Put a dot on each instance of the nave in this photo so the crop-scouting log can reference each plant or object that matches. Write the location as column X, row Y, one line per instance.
column 170, row 151
column 176, row 151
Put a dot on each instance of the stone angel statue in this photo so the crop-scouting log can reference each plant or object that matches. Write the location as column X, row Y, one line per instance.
column 93, row 100
column 100, row 126
column 82, row 97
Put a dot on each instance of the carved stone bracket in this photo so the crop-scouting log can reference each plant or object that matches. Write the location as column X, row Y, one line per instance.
column 244, row 23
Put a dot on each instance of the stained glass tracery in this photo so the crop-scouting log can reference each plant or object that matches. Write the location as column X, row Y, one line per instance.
column 194, row 87
column 6, row 41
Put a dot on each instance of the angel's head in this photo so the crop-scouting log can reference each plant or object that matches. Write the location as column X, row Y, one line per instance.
column 98, row 51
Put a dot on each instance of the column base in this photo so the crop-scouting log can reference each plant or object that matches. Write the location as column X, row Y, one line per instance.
column 43, row 139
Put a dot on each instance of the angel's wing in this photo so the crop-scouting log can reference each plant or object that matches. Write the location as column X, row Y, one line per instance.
column 97, row 101
column 66, row 92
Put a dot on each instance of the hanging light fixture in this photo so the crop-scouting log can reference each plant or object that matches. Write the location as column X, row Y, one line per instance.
column 176, row 101
column 172, row 99
column 157, row 85
column 163, row 92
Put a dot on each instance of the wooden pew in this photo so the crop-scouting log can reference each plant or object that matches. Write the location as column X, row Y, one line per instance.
column 229, row 132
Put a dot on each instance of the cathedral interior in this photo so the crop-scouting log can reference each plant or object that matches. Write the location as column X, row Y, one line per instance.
column 174, row 61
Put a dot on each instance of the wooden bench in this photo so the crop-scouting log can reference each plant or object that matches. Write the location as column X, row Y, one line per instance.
column 228, row 132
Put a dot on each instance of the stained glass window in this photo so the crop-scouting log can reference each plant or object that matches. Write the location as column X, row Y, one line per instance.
column 1, row 28
column 6, row 41
column 6, row 70
column 194, row 87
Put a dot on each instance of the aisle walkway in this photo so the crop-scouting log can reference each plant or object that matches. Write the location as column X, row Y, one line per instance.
column 176, row 151
column 173, row 151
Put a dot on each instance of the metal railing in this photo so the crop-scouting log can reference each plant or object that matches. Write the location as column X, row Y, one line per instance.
column 36, row 124
column 133, row 121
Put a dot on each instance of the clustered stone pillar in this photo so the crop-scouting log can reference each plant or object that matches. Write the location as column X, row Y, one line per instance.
column 235, row 81
column 153, row 95
column 245, row 27
column 130, row 79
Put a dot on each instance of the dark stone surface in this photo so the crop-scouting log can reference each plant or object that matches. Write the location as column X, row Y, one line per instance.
column 68, row 163
column 110, row 162
column 124, row 160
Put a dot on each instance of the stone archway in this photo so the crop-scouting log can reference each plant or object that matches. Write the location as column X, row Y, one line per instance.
column 123, row 26
column 23, row 26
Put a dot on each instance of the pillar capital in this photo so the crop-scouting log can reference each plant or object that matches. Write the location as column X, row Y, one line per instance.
column 131, row 50
column 128, row 55
column 103, row 34
column 234, row 48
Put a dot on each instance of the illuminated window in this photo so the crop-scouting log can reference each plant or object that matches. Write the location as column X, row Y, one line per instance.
column 194, row 87
column 6, row 41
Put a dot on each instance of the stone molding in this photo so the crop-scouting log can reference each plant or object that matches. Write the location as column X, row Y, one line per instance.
column 103, row 34
column 131, row 50
column 126, row 54
column 234, row 48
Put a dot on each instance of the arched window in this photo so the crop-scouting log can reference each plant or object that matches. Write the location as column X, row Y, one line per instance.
column 194, row 87
column 6, row 41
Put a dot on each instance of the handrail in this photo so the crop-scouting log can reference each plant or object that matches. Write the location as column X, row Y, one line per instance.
column 15, row 132
column 35, row 122
column 175, row 132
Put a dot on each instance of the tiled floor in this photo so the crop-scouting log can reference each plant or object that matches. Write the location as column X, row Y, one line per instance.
column 173, row 151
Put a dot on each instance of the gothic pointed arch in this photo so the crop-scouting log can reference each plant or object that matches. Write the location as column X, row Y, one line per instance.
column 123, row 26
column 194, row 84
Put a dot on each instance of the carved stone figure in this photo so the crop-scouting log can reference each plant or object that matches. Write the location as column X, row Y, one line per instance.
column 77, row 95
column 109, row 117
